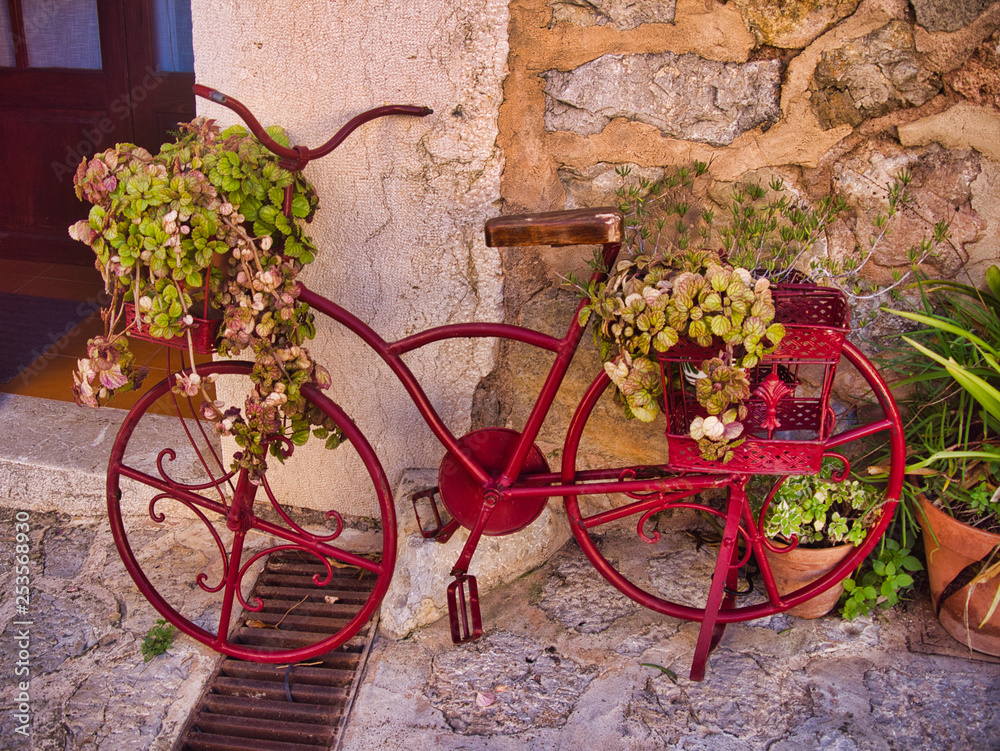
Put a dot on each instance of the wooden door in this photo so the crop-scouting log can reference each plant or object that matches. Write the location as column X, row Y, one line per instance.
column 76, row 77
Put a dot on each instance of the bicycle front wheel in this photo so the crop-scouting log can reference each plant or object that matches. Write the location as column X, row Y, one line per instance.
column 663, row 571
column 194, row 534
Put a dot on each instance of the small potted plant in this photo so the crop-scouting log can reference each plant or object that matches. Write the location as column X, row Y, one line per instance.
column 815, row 522
column 212, row 222
column 954, row 434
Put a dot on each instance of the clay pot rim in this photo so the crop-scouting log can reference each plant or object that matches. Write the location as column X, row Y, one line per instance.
column 783, row 548
column 981, row 536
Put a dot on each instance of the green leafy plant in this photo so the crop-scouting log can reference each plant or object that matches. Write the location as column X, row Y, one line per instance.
column 821, row 511
column 211, row 220
column 158, row 640
column 953, row 427
column 953, row 398
column 881, row 582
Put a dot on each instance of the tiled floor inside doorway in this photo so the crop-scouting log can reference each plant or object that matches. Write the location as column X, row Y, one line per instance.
column 50, row 375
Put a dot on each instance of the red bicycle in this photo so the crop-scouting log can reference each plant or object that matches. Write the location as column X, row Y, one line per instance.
column 495, row 481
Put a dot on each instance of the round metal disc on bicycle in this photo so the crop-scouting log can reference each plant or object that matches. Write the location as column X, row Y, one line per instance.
column 463, row 495
column 230, row 563
column 657, row 547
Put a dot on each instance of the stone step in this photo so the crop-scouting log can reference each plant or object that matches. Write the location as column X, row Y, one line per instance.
column 54, row 455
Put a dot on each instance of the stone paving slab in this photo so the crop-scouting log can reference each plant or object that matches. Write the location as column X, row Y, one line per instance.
column 88, row 685
column 566, row 665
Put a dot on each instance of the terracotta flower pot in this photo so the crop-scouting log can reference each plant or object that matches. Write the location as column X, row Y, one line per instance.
column 801, row 566
column 951, row 548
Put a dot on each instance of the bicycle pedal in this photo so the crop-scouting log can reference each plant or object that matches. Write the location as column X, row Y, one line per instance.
column 440, row 529
column 463, row 609
column 447, row 531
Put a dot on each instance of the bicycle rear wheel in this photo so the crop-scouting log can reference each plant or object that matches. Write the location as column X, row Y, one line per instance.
column 192, row 533
column 659, row 575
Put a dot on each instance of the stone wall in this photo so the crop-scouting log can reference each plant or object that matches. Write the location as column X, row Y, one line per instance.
column 828, row 95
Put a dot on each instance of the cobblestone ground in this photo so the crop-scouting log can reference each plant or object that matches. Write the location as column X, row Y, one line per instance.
column 565, row 662
column 88, row 685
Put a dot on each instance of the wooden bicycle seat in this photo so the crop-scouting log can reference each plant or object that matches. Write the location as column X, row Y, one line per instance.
column 601, row 225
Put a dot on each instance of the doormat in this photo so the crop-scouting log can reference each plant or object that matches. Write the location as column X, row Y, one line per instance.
column 31, row 325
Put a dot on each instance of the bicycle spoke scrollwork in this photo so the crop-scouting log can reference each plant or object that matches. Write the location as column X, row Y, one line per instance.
column 330, row 515
column 171, row 456
column 258, row 604
column 186, row 467
column 159, row 517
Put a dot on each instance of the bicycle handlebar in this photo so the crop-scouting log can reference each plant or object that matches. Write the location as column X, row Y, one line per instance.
column 299, row 156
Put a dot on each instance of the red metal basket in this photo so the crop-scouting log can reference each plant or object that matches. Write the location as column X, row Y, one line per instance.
column 789, row 412
column 204, row 333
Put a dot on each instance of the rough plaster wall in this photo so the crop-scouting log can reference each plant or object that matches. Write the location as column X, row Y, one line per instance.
column 403, row 201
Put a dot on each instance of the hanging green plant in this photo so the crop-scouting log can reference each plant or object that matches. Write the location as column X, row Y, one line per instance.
column 650, row 303
column 213, row 221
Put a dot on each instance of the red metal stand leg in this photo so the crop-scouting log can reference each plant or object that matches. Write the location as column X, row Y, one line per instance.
column 723, row 578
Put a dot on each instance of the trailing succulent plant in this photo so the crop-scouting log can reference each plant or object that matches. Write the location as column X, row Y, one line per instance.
column 649, row 303
column 205, row 217
column 683, row 274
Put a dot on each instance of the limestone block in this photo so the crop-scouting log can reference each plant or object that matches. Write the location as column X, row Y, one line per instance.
column 965, row 126
column 621, row 14
column 596, row 185
column 986, row 203
column 870, row 77
column 417, row 595
column 64, row 468
column 685, row 96
column 948, row 15
column 793, row 24
column 978, row 80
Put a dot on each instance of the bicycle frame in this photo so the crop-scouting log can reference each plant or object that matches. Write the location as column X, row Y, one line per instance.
column 504, row 468
column 507, row 484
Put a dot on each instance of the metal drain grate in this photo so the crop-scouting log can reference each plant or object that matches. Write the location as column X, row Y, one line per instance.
column 245, row 706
